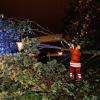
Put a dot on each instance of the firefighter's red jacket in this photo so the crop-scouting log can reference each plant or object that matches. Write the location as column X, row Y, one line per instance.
column 75, row 55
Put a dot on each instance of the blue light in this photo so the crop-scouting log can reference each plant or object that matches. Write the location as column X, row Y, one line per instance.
column 8, row 38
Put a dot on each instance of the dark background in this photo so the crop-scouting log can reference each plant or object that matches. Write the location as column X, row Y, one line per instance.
column 48, row 13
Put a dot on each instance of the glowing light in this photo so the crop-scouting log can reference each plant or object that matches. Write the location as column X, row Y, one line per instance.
column 60, row 53
column 19, row 45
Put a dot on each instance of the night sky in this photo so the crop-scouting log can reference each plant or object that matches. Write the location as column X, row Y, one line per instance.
column 48, row 13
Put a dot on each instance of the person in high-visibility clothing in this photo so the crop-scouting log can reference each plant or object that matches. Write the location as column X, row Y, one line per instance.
column 75, row 65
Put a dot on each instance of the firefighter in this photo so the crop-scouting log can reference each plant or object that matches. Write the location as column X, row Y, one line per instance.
column 75, row 65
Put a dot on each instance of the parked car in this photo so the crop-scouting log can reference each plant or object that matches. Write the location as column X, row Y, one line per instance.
column 52, row 51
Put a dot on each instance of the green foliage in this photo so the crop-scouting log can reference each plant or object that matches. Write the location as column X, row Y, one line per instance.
column 82, row 24
column 53, row 71
column 26, row 58
column 23, row 78
column 30, row 95
column 23, row 26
